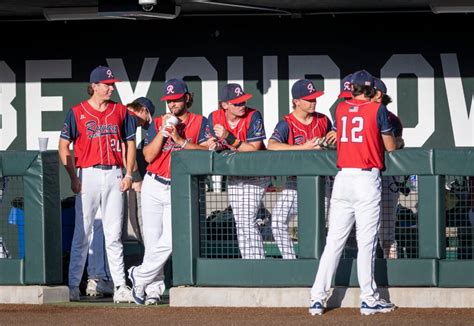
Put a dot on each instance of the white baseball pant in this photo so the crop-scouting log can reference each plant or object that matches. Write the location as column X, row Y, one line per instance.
column 388, row 218
column 285, row 209
column 97, row 266
column 157, row 234
column 348, row 205
column 245, row 197
column 100, row 188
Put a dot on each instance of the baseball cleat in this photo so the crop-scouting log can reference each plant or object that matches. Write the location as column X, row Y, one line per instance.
column 153, row 298
column 91, row 289
column 316, row 308
column 378, row 306
column 138, row 292
column 74, row 294
column 123, row 294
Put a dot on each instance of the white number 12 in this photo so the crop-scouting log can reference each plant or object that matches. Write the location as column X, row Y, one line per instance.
column 357, row 126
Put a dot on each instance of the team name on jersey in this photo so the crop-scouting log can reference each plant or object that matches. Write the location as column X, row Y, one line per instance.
column 94, row 130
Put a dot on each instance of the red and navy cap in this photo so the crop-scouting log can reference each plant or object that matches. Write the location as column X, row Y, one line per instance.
column 304, row 89
column 233, row 93
column 174, row 89
column 102, row 74
column 346, row 87
column 380, row 85
column 146, row 102
column 363, row 78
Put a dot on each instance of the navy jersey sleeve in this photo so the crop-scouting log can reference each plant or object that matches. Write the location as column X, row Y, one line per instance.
column 203, row 133
column 256, row 131
column 210, row 127
column 281, row 133
column 69, row 131
column 151, row 133
column 383, row 122
column 396, row 124
column 130, row 127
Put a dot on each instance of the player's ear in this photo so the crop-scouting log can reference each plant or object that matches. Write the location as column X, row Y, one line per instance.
column 224, row 105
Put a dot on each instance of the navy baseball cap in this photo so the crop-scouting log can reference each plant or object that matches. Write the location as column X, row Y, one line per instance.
column 146, row 102
column 346, row 87
column 102, row 74
column 233, row 93
column 380, row 85
column 363, row 78
column 304, row 89
column 174, row 89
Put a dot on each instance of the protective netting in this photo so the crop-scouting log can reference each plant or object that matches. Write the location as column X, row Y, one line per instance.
column 459, row 205
column 12, row 219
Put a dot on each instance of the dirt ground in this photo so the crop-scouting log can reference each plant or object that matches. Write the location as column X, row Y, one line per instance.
column 93, row 314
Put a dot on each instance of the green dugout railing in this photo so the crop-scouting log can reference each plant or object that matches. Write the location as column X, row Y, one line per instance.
column 430, row 268
column 42, row 261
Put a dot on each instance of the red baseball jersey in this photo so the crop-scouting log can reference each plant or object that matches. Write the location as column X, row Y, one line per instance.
column 291, row 131
column 249, row 128
column 359, row 126
column 98, row 136
column 193, row 129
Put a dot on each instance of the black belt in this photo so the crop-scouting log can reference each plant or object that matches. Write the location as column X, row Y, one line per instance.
column 104, row 167
column 159, row 179
column 366, row 169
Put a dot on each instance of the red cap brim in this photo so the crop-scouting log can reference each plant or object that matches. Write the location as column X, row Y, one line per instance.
column 312, row 96
column 172, row 97
column 240, row 99
column 110, row 81
column 345, row 94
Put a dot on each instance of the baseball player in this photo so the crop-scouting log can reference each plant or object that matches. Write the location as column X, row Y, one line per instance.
column 390, row 189
column 161, row 140
column 363, row 132
column 302, row 129
column 97, row 127
column 235, row 126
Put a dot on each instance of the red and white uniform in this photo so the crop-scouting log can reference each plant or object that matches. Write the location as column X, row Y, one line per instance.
column 291, row 131
column 156, row 204
column 356, row 194
column 97, row 138
column 245, row 193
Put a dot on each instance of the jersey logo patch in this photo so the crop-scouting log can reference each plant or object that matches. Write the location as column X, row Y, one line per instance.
column 354, row 109
column 94, row 130
column 82, row 117
column 299, row 140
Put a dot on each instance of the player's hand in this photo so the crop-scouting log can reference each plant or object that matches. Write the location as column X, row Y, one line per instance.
column 213, row 144
column 173, row 131
column 125, row 184
column 76, row 185
column 311, row 144
column 331, row 137
column 220, row 131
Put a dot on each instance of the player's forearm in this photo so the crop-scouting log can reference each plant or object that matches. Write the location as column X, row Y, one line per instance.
column 250, row 147
column 150, row 151
column 277, row 146
column 131, row 156
column 66, row 158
